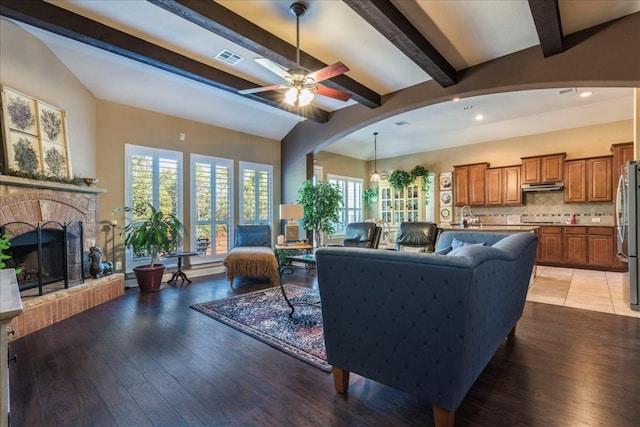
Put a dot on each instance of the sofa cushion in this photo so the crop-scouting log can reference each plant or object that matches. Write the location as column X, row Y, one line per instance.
column 478, row 253
column 460, row 243
column 443, row 251
column 404, row 248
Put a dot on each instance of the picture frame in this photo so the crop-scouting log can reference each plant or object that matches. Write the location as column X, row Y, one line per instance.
column 446, row 181
column 34, row 135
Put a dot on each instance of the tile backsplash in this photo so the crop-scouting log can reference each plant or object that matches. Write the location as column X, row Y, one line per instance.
column 546, row 207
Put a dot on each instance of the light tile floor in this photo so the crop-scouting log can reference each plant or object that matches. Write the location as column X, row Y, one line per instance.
column 604, row 291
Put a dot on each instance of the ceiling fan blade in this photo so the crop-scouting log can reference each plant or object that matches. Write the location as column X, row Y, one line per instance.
column 328, row 72
column 332, row 93
column 261, row 89
column 274, row 68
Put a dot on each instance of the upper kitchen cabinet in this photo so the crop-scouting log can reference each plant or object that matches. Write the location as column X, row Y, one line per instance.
column 588, row 180
column 502, row 186
column 469, row 184
column 543, row 169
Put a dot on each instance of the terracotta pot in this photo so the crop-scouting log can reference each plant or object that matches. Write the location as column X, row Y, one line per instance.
column 149, row 278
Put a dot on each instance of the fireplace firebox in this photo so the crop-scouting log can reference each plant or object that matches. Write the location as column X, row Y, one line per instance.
column 45, row 253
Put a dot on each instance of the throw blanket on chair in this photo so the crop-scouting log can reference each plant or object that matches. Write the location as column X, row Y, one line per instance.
column 254, row 261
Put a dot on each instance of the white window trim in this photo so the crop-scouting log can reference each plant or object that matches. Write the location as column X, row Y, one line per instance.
column 130, row 150
column 330, row 177
column 194, row 158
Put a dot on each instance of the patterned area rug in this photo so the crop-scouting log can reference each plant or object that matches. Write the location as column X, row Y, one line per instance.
column 264, row 315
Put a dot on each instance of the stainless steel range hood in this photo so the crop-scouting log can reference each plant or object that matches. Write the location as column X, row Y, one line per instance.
column 551, row 186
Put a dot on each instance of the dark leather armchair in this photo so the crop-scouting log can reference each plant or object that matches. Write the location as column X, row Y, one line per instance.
column 362, row 235
column 417, row 236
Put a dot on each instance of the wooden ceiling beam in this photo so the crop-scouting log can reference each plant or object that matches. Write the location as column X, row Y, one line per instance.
column 546, row 16
column 221, row 21
column 391, row 23
column 76, row 27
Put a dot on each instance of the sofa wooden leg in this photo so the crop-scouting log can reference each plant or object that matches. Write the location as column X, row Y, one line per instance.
column 512, row 332
column 442, row 417
column 340, row 379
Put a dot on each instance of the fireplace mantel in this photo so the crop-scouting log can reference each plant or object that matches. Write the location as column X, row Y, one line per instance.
column 47, row 185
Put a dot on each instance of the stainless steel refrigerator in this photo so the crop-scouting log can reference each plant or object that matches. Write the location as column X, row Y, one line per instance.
column 627, row 216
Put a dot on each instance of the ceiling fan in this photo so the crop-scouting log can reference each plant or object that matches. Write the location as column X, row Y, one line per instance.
column 301, row 85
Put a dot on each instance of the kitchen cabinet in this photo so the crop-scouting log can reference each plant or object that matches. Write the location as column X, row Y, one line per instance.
column 543, row 169
column 502, row 186
column 588, row 180
column 550, row 245
column 469, row 184
column 399, row 206
column 601, row 246
column 575, row 246
column 591, row 247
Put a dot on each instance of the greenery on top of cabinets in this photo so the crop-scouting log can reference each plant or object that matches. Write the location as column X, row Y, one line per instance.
column 370, row 195
column 401, row 179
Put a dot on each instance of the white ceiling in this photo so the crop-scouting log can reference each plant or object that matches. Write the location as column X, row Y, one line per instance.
column 465, row 32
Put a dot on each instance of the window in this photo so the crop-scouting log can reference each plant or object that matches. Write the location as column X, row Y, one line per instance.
column 256, row 193
column 154, row 176
column 211, row 206
column 351, row 189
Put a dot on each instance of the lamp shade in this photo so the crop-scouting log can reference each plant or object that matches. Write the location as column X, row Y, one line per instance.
column 291, row 211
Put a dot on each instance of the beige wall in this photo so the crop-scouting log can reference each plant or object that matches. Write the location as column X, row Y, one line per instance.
column 27, row 65
column 120, row 124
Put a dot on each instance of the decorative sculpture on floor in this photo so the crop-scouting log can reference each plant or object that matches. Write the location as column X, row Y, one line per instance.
column 98, row 268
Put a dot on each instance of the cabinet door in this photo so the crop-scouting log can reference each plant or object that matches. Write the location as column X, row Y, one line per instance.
column 575, row 179
column 493, row 183
column 599, row 179
column 512, row 188
column 601, row 246
column 461, row 185
column 575, row 246
column 552, row 168
column 550, row 245
column 385, row 203
column 530, row 170
column 476, row 184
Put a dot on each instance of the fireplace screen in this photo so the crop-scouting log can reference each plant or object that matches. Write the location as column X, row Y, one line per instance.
column 47, row 253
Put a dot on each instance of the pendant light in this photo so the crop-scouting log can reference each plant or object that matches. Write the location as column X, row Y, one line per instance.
column 375, row 176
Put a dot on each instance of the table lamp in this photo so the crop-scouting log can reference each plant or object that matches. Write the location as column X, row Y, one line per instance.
column 291, row 212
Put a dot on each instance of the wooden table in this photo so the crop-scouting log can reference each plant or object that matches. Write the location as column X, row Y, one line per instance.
column 179, row 274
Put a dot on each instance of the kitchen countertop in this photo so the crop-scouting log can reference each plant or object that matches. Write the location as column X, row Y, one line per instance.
column 490, row 227
column 10, row 302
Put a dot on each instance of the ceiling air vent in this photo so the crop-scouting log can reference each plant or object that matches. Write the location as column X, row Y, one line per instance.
column 228, row 57
column 565, row 91
column 401, row 123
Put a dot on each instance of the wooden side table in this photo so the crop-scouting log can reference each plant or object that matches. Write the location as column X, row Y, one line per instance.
column 179, row 274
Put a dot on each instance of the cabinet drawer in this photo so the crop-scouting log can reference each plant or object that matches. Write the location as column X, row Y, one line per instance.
column 575, row 230
column 601, row 231
column 551, row 230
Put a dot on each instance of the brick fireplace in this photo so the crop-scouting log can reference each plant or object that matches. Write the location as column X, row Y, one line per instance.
column 36, row 203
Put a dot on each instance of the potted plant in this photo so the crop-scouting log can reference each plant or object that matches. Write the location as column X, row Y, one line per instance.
column 322, row 203
column 417, row 171
column 154, row 232
column 5, row 244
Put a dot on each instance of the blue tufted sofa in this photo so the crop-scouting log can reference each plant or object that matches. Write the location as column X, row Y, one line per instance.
column 426, row 324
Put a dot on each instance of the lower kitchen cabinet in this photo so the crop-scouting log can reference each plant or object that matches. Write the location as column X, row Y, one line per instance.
column 601, row 246
column 577, row 247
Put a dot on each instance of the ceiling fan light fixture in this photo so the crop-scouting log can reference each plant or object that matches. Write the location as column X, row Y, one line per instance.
column 298, row 97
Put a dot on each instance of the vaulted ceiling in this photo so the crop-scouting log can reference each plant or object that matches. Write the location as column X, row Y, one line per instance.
column 161, row 55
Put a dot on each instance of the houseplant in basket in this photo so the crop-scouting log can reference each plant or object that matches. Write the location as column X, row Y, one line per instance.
column 152, row 232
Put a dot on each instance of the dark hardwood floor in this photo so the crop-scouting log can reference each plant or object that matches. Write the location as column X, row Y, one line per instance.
column 150, row 360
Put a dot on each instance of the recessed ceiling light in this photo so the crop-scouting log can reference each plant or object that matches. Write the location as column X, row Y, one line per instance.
column 586, row 94
column 479, row 117
column 467, row 107
column 456, row 99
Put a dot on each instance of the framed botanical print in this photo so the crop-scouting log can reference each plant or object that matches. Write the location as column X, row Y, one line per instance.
column 34, row 136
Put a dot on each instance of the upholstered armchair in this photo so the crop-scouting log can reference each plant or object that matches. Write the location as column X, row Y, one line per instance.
column 252, row 255
column 418, row 236
column 362, row 235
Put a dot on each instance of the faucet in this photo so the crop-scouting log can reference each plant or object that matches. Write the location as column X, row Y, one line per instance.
column 462, row 219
